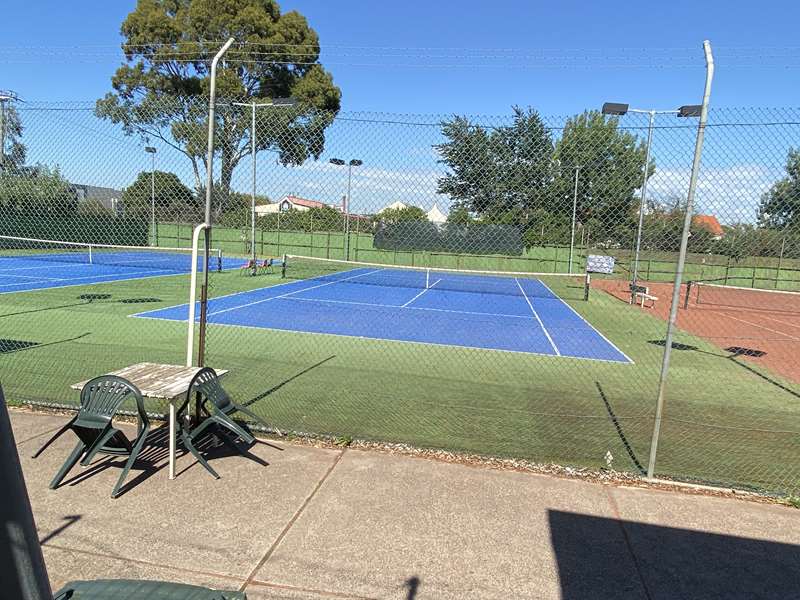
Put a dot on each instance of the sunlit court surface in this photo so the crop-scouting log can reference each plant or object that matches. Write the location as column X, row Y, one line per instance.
column 488, row 311
column 44, row 264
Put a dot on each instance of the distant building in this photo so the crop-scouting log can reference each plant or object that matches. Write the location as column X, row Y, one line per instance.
column 710, row 224
column 108, row 198
column 292, row 202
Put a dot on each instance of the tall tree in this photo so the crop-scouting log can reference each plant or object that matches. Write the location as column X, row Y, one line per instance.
column 612, row 164
column 12, row 150
column 160, row 91
column 494, row 171
column 401, row 215
column 780, row 206
column 171, row 196
column 37, row 191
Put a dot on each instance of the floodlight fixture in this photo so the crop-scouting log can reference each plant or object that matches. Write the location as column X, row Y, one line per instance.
column 690, row 110
column 615, row 108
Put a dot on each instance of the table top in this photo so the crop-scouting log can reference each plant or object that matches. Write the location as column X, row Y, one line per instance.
column 156, row 380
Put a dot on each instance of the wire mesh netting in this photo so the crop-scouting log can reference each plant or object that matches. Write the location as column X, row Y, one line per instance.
column 492, row 285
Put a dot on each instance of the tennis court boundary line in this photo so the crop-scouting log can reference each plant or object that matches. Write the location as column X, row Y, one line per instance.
column 392, row 340
column 592, row 327
column 350, row 302
column 538, row 319
column 58, row 287
column 278, row 297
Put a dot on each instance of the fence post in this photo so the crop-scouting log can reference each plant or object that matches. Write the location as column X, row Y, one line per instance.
column 780, row 264
column 358, row 239
column 555, row 259
column 727, row 270
column 278, row 240
column 676, row 289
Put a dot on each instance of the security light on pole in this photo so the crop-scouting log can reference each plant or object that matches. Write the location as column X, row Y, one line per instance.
column 355, row 162
column 619, row 109
column 254, row 106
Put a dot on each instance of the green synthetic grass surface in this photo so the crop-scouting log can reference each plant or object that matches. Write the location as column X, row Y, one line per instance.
column 724, row 422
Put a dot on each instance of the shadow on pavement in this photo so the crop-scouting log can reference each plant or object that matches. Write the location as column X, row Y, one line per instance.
column 608, row 558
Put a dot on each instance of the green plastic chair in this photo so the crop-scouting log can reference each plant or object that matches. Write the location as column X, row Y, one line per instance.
column 101, row 398
column 214, row 409
column 131, row 589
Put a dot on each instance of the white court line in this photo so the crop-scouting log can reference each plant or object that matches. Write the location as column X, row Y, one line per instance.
column 36, row 277
column 577, row 314
column 89, row 277
column 54, row 287
column 313, row 287
column 791, row 337
column 393, row 340
column 420, row 294
column 445, row 310
column 781, row 322
column 50, row 266
column 535, row 314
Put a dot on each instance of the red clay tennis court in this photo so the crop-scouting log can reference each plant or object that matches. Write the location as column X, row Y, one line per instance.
column 761, row 326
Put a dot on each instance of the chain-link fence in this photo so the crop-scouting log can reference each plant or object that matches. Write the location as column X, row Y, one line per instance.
column 422, row 279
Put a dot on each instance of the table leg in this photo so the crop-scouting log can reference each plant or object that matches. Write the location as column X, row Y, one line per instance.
column 172, row 440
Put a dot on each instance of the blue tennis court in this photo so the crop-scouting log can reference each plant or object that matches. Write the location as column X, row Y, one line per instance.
column 44, row 270
column 476, row 311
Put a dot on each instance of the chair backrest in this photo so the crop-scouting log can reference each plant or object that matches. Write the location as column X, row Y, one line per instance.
column 102, row 396
column 206, row 383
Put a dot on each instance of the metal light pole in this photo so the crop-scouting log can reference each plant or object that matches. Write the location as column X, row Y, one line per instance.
column 687, row 223
column 618, row 109
column 152, row 152
column 353, row 163
column 212, row 101
column 254, row 105
column 574, row 217
column 5, row 96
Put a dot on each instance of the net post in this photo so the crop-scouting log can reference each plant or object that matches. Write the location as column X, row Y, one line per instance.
column 689, row 285
column 91, row 262
column 283, row 267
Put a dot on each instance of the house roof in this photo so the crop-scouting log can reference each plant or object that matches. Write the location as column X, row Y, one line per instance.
column 303, row 201
column 709, row 223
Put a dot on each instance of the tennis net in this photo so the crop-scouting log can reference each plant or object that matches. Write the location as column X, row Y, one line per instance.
column 510, row 283
column 157, row 258
column 715, row 295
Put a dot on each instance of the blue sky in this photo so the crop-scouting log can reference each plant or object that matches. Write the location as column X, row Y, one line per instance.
column 439, row 58
column 567, row 26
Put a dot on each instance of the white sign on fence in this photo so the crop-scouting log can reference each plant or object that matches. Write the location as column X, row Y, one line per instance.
column 597, row 263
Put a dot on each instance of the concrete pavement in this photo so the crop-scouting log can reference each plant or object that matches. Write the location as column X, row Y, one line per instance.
column 296, row 522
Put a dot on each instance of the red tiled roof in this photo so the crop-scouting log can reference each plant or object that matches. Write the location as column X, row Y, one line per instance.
column 303, row 202
column 710, row 224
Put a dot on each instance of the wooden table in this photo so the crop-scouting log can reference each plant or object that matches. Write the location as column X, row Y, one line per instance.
column 165, row 382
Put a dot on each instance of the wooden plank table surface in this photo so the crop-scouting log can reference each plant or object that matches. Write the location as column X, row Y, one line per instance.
column 156, row 380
